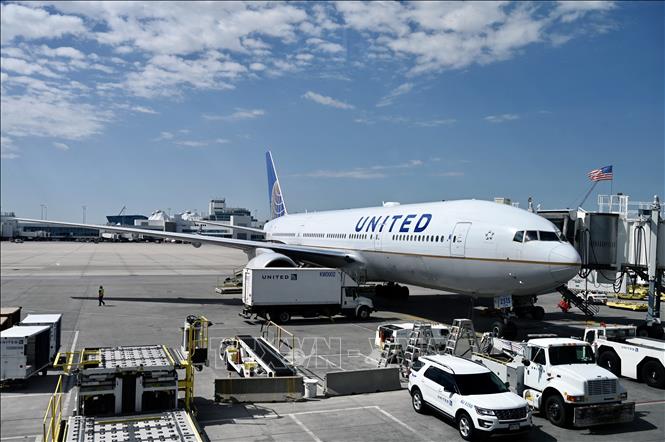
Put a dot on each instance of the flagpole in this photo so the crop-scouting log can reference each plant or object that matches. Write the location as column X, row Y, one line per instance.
column 588, row 193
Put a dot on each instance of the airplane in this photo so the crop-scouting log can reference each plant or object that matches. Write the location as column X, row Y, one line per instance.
column 470, row 247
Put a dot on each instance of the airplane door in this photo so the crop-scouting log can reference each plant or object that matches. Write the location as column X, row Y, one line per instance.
column 377, row 241
column 458, row 241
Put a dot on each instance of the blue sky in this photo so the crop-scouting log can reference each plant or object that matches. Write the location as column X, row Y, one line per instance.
column 166, row 106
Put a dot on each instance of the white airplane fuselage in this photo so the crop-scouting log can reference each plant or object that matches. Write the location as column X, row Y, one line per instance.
column 464, row 246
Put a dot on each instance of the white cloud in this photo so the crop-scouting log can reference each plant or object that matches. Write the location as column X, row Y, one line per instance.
column 32, row 23
column 221, row 141
column 8, row 151
column 48, row 114
column 257, row 66
column 164, row 136
column 61, row 146
column 191, row 143
column 402, row 89
column 365, row 173
column 144, row 110
column 326, row 101
column 503, row 118
column 26, row 68
column 239, row 114
column 65, row 51
column 324, row 46
column 448, row 174
column 435, row 123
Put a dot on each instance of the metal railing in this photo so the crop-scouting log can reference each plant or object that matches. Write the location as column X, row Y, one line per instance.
column 53, row 415
column 278, row 338
column 73, row 360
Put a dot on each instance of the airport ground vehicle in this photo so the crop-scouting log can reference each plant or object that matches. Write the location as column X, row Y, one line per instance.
column 9, row 317
column 25, row 351
column 559, row 378
column 593, row 297
column 279, row 293
column 54, row 322
column 468, row 392
column 399, row 333
column 250, row 356
column 620, row 351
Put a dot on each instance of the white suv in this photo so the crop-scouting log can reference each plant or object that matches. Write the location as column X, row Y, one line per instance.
column 470, row 394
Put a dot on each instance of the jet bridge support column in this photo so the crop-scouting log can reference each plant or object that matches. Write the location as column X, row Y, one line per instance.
column 655, row 282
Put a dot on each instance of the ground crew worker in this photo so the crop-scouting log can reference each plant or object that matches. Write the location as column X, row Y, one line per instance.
column 100, row 295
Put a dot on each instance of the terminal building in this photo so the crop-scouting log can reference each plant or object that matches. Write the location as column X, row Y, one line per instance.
column 186, row 222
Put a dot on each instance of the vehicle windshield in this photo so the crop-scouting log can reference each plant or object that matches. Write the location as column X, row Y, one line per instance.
column 571, row 354
column 619, row 333
column 479, row 383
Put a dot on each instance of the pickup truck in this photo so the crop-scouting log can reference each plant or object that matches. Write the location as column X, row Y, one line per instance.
column 558, row 377
column 619, row 350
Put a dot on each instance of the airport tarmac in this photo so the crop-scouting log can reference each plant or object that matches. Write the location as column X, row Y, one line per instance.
column 151, row 288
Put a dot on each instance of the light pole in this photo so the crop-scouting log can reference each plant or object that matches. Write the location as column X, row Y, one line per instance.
column 84, row 207
column 44, row 211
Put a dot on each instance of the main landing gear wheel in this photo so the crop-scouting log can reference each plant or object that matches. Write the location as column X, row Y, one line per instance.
column 506, row 330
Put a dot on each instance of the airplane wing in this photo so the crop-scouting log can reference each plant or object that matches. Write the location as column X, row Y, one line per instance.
column 229, row 226
column 311, row 255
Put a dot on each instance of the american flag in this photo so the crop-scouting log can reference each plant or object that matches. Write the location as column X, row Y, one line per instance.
column 602, row 174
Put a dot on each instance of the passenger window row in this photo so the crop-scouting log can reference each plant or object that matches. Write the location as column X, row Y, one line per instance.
column 419, row 238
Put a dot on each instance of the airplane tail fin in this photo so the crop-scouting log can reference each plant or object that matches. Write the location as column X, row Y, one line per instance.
column 277, row 205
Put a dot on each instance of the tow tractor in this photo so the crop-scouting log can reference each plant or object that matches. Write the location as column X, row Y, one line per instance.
column 558, row 377
column 619, row 350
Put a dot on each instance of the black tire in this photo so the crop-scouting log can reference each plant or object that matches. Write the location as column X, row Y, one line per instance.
column 465, row 426
column 283, row 317
column 404, row 292
column 521, row 312
column 497, row 328
column 363, row 313
column 643, row 331
column 537, row 313
column 510, row 330
column 417, row 401
column 656, row 331
column 653, row 374
column 556, row 410
column 610, row 361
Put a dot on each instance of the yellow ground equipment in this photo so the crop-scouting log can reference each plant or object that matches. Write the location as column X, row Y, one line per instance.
column 634, row 306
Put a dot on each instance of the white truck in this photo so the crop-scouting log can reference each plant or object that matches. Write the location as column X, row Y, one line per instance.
column 558, row 377
column 619, row 350
column 277, row 293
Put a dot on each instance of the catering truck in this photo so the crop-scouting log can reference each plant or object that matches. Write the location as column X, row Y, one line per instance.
column 619, row 350
column 559, row 378
column 279, row 293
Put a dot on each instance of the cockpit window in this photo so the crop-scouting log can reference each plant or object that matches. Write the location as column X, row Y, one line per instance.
column 531, row 235
column 519, row 236
column 548, row 236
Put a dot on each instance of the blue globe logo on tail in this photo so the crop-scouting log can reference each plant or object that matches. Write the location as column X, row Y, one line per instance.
column 277, row 205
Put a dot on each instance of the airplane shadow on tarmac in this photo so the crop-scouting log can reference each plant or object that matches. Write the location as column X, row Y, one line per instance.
column 230, row 301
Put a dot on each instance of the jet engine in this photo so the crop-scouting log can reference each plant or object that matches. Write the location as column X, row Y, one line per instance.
column 268, row 258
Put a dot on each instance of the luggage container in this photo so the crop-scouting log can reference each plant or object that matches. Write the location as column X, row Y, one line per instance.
column 54, row 322
column 9, row 317
column 25, row 351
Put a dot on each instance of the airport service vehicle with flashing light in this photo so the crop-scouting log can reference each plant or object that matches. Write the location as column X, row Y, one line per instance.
column 619, row 350
column 559, row 378
column 470, row 394
column 279, row 293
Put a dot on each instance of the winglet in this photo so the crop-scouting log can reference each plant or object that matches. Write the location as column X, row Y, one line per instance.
column 277, row 205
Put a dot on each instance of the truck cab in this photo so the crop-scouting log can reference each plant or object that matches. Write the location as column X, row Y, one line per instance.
column 562, row 380
column 619, row 350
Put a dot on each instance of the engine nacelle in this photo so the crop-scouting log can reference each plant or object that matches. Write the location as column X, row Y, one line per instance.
column 196, row 245
column 267, row 258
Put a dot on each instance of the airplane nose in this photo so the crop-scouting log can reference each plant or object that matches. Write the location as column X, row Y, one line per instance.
column 564, row 262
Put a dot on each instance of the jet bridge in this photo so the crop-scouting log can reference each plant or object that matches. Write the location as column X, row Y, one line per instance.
column 623, row 239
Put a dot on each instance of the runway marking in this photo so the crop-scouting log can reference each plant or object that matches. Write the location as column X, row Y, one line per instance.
column 656, row 402
column 36, row 436
column 330, row 362
column 405, row 425
column 305, row 429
